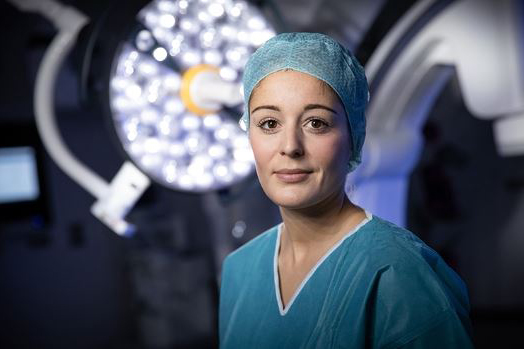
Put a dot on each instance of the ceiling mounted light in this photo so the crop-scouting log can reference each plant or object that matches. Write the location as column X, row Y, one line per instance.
column 163, row 89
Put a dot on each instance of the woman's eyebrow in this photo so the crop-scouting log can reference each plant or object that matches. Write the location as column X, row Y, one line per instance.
column 271, row 107
column 307, row 107
column 319, row 106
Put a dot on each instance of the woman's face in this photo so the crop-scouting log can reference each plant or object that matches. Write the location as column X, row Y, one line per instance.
column 299, row 135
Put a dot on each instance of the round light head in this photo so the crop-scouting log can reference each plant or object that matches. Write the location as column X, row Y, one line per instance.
column 160, row 133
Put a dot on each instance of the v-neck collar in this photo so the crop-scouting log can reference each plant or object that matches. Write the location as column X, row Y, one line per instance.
column 283, row 311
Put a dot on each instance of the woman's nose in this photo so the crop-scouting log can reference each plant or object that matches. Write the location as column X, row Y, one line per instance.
column 291, row 143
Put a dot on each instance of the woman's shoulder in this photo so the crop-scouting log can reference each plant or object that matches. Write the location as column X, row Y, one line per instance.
column 393, row 243
column 411, row 280
column 403, row 251
column 403, row 258
column 385, row 229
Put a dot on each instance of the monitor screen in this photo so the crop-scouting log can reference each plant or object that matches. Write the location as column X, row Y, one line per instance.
column 18, row 175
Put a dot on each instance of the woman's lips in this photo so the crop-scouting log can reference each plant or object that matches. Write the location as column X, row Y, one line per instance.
column 292, row 175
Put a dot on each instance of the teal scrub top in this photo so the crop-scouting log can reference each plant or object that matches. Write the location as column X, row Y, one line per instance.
column 379, row 287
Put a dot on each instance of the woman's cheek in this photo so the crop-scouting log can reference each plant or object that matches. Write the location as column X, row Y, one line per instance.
column 334, row 152
column 260, row 153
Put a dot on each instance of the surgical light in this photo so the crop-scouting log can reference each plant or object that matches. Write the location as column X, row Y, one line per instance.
column 180, row 145
column 174, row 92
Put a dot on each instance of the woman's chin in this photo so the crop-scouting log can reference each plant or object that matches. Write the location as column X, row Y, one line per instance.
column 292, row 200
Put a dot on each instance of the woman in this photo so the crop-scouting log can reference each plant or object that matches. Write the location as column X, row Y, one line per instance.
column 332, row 274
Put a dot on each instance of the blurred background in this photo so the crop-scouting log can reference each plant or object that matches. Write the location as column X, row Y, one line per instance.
column 92, row 259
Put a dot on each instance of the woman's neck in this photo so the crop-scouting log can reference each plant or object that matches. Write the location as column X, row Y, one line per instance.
column 318, row 228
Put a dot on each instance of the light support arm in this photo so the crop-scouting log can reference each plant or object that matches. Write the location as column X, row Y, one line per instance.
column 131, row 182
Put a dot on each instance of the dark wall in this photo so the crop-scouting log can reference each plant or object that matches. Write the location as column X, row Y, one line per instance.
column 65, row 283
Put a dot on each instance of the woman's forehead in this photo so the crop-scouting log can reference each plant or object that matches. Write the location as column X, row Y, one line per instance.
column 280, row 82
column 290, row 75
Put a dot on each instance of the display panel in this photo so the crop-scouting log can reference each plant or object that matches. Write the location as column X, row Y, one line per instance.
column 18, row 175
column 23, row 185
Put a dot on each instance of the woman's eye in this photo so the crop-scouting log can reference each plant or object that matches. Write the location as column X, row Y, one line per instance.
column 317, row 123
column 268, row 124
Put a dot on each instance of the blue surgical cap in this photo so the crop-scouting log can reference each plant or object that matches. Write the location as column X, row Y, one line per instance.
column 323, row 58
